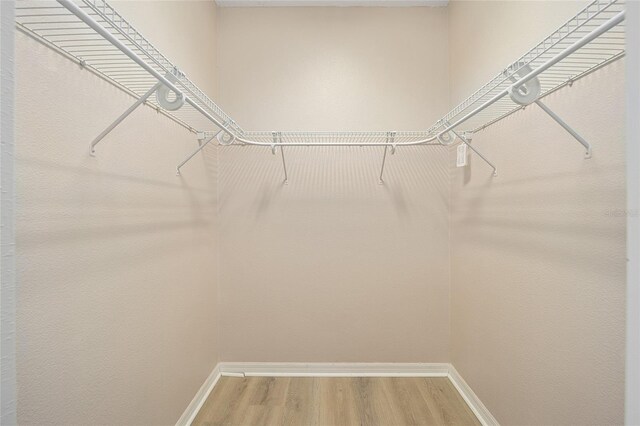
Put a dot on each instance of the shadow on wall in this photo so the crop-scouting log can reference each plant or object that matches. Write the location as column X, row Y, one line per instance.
column 569, row 210
column 329, row 267
column 115, row 255
column 347, row 175
column 558, row 231
column 120, row 203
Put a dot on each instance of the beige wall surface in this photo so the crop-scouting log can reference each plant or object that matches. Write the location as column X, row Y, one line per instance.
column 333, row 68
column 116, row 255
column 486, row 36
column 334, row 267
column 518, row 280
column 538, row 253
column 183, row 30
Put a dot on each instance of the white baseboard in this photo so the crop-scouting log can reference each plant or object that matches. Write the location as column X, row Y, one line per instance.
column 299, row 369
column 472, row 400
column 318, row 369
column 201, row 396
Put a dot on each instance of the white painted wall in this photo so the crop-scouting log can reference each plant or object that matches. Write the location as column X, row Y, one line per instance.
column 119, row 302
column 7, row 217
column 117, row 256
column 632, row 408
column 538, row 253
column 486, row 36
column 334, row 267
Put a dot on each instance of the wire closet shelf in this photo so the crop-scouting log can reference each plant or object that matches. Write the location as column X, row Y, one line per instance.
column 566, row 65
column 56, row 24
column 97, row 37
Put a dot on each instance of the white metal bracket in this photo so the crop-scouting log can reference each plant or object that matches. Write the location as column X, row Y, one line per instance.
column 204, row 141
column 390, row 140
column 449, row 137
column 465, row 138
column 566, row 127
column 142, row 99
column 225, row 138
column 446, row 138
column 529, row 92
column 277, row 140
column 162, row 94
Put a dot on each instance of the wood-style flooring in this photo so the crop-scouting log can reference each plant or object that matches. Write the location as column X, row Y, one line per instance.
column 311, row 401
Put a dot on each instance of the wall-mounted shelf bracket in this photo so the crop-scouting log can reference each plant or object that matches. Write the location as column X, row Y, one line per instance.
column 390, row 140
column 568, row 128
column 277, row 140
column 466, row 139
column 529, row 92
column 142, row 99
column 203, row 140
column 573, row 51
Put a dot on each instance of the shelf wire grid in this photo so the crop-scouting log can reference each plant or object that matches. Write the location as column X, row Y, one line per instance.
column 605, row 49
column 337, row 138
column 57, row 27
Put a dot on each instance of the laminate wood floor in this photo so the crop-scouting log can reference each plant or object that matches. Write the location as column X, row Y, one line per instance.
column 311, row 401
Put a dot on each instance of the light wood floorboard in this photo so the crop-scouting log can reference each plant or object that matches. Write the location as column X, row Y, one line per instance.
column 335, row 401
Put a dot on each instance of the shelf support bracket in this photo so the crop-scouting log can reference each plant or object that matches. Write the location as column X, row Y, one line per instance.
column 277, row 140
column 530, row 95
column 566, row 127
column 465, row 140
column 204, row 141
column 390, row 139
column 142, row 99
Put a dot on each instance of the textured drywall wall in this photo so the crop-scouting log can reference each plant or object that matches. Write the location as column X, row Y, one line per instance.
column 7, row 216
column 116, row 254
column 632, row 365
column 183, row 30
column 486, row 36
column 334, row 267
column 538, row 253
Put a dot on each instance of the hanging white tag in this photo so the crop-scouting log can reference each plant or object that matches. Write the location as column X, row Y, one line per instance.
column 461, row 159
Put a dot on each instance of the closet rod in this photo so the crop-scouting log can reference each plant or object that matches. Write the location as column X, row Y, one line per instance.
column 617, row 19
column 87, row 19
column 439, row 131
column 83, row 16
column 438, row 138
column 521, row 84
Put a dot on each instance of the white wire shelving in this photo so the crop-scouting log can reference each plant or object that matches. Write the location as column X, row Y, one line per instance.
column 339, row 138
column 55, row 24
column 603, row 49
column 388, row 140
column 97, row 37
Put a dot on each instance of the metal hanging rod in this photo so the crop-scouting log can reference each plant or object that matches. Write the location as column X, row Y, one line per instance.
column 533, row 74
column 120, row 54
column 98, row 38
column 553, row 60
